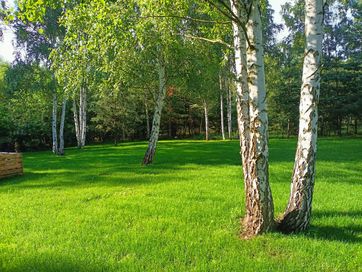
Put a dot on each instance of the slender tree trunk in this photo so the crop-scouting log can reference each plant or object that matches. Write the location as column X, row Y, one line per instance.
column 54, row 124
column 206, row 115
column 76, row 124
column 229, row 108
column 82, row 116
column 242, row 91
column 150, row 153
column 201, row 124
column 242, row 88
column 147, row 120
column 260, row 212
column 298, row 212
column 252, row 122
column 222, row 108
column 61, row 128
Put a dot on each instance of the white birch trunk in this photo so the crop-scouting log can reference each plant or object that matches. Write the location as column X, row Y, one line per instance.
column 82, row 116
column 253, row 138
column 260, row 213
column 242, row 88
column 76, row 124
column 54, row 124
column 298, row 212
column 61, row 128
column 206, row 115
column 222, row 107
column 151, row 150
column 229, row 108
column 147, row 120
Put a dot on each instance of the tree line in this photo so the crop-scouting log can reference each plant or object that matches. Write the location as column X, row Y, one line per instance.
column 116, row 106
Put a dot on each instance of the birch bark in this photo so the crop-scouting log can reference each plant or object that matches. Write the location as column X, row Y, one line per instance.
column 76, row 123
column 147, row 120
column 229, row 108
column 54, row 123
column 151, row 150
column 61, row 128
column 222, row 107
column 82, row 116
column 206, row 115
column 298, row 212
column 242, row 89
column 260, row 212
column 252, row 204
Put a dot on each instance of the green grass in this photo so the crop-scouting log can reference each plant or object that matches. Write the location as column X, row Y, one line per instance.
column 98, row 209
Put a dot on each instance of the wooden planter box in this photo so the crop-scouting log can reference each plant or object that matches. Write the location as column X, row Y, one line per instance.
column 11, row 164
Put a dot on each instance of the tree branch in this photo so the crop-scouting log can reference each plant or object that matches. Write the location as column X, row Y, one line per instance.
column 231, row 15
column 185, row 18
column 209, row 40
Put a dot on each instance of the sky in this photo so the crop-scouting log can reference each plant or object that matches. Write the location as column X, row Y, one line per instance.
column 7, row 49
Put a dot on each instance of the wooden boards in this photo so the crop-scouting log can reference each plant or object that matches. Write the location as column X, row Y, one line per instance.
column 11, row 164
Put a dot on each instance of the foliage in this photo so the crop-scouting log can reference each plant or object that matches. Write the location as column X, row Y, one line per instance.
column 26, row 108
column 112, row 48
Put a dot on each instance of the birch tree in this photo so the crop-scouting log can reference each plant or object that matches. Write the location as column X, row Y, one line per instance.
column 58, row 135
column 54, row 123
column 159, row 35
column 61, row 128
column 298, row 213
column 229, row 99
column 222, row 106
column 43, row 34
column 261, row 212
column 152, row 143
column 252, row 116
column 80, row 117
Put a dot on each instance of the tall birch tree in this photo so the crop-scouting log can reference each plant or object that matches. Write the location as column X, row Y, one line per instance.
column 38, row 33
column 252, row 115
column 155, row 131
column 298, row 213
column 221, row 79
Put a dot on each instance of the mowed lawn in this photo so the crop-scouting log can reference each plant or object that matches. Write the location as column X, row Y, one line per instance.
column 98, row 209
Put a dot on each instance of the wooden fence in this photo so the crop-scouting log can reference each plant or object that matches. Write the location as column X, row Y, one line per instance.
column 11, row 164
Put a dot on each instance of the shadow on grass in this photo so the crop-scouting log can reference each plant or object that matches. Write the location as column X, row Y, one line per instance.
column 50, row 262
column 121, row 165
column 349, row 233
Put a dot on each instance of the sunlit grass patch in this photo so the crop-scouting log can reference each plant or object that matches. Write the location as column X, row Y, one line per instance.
column 98, row 209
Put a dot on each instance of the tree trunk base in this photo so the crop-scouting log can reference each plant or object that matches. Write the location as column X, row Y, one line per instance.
column 294, row 221
column 148, row 158
column 252, row 227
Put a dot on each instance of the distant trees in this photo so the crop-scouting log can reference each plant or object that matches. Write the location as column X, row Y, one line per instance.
column 88, row 60
column 37, row 34
column 24, row 106
column 340, row 74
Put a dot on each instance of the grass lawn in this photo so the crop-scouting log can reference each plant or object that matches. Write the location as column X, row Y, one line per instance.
column 98, row 209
